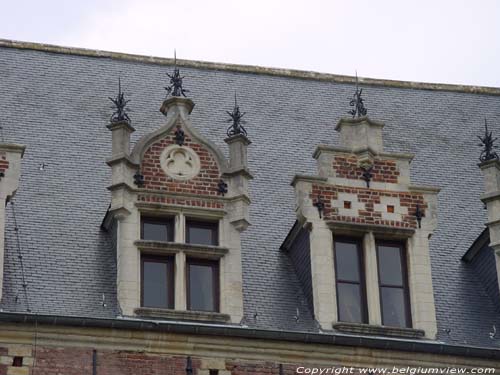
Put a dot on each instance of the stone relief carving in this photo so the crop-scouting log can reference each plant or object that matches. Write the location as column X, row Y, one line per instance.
column 180, row 162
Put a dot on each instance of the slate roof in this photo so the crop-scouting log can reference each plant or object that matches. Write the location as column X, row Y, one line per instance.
column 55, row 102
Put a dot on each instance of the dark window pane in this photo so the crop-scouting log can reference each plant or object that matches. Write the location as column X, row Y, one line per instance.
column 346, row 257
column 393, row 307
column 389, row 265
column 349, row 299
column 201, row 287
column 202, row 233
column 155, row 287
column 158, row 229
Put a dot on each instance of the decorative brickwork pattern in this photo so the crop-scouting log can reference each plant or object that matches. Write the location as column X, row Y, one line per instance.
column 348, row 167
column 4, row 163
column 369, row 197
column 193, row 202
column 205, row 183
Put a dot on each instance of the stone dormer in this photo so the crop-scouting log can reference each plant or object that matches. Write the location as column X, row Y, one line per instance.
column 178, row 207
column 362, row 218
column 10, row 171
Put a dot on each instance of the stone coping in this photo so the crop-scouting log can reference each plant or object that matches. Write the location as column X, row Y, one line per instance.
column 358, row 120
column 204, row 316
column 290, row 73
column 369, row 329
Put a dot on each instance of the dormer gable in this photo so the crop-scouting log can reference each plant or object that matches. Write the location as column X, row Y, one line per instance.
column 177, row 210
column 368, row 241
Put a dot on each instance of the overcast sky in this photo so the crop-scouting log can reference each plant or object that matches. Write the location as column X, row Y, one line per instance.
column 450, row 41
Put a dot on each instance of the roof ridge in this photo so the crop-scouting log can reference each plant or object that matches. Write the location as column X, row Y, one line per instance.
column 253, row 69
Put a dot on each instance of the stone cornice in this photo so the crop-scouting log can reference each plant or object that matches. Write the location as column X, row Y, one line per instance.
column 370, row 329
column 203, row 316
column 163, row 208
column 358, row 120
column 121, row 158
column 199, row 251
column 176, row 100
column 13, row 147
column 490, row 163
column 291, row 73
column 250, row 343
column 238, row 137
column 424, row 189
column 344, row 150
column 121, row 124
column 488, row 197
column 305, row 178
column 240, row 171
column 388, row 232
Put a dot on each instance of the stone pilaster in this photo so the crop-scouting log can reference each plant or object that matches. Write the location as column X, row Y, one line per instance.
column 491, row 198
column 238, row 177
column 10, row 171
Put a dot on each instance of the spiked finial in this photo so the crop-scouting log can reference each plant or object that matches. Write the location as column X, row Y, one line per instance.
column 236, row 118
column 120, row 106
column 175, row 88
column 357, row 102
column 488, row 144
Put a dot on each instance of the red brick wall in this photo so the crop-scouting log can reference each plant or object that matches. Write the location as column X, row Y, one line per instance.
column 383, row 170
column 78, row 361
column 205, row 183
column 369, row 197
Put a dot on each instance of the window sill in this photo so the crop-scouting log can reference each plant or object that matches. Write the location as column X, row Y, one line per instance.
column 204, row 316
column 198, row 251
column 368, row 329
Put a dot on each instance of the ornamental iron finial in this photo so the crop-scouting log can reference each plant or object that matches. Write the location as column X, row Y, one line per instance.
column 236, row 127
column 419, row 215
column 179, row 136
column 488, row 144
column 175, row 88
column 367, row 174
column 222, row 187
column 120, row 106
column 357, row 102
column 139, row 179
column 320, row 205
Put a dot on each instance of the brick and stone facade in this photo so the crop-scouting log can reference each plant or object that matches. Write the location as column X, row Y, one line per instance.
column 180, row 179
column 362, row 191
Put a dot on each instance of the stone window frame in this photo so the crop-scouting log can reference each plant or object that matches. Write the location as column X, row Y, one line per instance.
column 370, row 237
column 180, row 250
